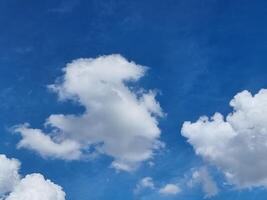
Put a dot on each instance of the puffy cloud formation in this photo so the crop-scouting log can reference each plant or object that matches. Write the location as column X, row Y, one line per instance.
column 9, row 176
column 118, row 120
column 32, row 186
column 169, row 189
column 202, row 176
column 237, row 145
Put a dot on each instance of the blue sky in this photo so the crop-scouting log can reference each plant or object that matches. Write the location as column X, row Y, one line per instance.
column 200, row 54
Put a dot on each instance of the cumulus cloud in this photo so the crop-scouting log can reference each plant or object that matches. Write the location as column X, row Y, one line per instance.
column 201, row 176
column 118, row 120
column 9, row 176
column 236, row 144
column 170, row 189
column 32, row 186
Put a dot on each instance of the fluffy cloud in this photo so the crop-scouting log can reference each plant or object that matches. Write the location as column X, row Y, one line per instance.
column 32, row 186
column 36, row 140
column 118, row 120
column 202, row 176
column 169, row 189
column 9, row 176
column 237, row 145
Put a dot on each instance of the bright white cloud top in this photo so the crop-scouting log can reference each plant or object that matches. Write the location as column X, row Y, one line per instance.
column 118, row 120
column 32, row 186
column 237, row 144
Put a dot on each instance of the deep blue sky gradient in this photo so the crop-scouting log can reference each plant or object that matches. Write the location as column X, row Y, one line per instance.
column 200, row 54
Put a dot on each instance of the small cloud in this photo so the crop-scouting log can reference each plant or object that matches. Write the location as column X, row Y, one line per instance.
column 145, row 183
column 170, row 189
column 151, row 164
column 202, row 177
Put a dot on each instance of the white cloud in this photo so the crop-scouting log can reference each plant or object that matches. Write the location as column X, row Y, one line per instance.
column 202, row 176
column 237, row 145
column 35, row 139
column 170, row 189
column 32, row 186
column 146, row 182
column 9, row 176
column 118, row 120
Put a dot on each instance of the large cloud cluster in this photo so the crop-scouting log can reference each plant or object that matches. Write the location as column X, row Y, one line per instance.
column 118, row 120
column 237, row 145
column 32, row 186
